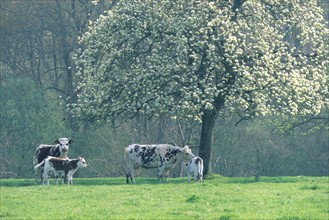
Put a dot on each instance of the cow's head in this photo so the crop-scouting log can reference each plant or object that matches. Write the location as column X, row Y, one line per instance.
column 187, row 153
column 82, row 162
column 63, row 144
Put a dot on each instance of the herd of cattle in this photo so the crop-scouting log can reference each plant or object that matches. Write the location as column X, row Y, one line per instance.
column 53, row 159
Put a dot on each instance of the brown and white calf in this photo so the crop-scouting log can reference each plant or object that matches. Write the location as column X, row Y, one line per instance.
column 195, row 167
column 161, row 156
column 59, row 149
column 59, row 166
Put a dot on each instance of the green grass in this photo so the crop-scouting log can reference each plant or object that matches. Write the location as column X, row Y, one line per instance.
column 216, row 198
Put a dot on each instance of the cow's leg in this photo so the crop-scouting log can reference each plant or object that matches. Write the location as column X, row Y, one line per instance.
column 166, row 175
column 197, row 171
column 36, row 172
column 199, row 177
column 189, row 176
column 160, row 173
column 196, row 174
column 36, row 175
column 41, row 171
column 56, row 177
column 70, row 179
column 63, row 176
column 45, row 178
column 130, row 173
column 48, row 177
column 159, row 176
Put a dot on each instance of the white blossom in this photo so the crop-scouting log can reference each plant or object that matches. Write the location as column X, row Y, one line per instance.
column 182, row 57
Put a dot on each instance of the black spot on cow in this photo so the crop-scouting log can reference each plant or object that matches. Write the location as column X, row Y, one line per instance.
column 175, row 151
column 136, row 148
column 197, row 160
column 64, row 164
column 44, row 152
column 171, row 153
column 147, row 155
column 161, row 161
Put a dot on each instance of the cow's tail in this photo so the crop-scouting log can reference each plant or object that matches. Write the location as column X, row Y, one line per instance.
column 39, row 165
column 200, row 168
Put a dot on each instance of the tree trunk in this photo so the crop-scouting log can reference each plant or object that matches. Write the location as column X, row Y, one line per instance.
column 208, row 124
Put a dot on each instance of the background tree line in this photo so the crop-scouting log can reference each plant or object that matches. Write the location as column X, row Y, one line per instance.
column 38, row 39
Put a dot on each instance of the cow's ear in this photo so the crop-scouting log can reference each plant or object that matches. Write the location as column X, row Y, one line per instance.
column 70, row 141
column 57, row 142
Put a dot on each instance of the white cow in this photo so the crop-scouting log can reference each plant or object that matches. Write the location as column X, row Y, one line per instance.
column 195, row 167
column 59, row 165
column 161, row 156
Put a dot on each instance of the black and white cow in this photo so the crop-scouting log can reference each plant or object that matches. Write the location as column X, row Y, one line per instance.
column 195, row 167
column 161, row 156
column 59, row 149
column 58, row 165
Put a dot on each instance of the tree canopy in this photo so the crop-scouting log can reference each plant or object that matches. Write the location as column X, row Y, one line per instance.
column 198, row 59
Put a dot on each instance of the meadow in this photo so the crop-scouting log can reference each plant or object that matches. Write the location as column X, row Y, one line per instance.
column 216, row 198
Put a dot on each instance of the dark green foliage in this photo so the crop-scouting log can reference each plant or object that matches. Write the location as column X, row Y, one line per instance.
column 255, row 146
column 27, row 120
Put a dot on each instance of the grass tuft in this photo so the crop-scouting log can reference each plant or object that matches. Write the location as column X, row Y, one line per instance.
column 225, row 217
column 211, row 176
column 193, row 199
column 313, row 187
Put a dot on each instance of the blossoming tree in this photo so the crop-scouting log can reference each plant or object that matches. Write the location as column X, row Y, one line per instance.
column 198, row 59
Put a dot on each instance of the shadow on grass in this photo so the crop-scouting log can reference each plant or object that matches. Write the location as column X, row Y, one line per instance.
column 266, row 179
column 91, row 182
column 263, row 179
column 76, row 181
column 16, row 182
column 212, row 178
column 249, row 180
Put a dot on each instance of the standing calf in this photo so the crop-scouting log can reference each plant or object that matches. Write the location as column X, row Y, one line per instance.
column 195, row 167
column 59, row 149
column 60, row 165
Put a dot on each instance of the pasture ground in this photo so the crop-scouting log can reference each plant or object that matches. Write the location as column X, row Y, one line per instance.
column 216, row 198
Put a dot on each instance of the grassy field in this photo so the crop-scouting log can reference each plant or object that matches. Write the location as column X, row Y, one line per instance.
column 216, row 198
